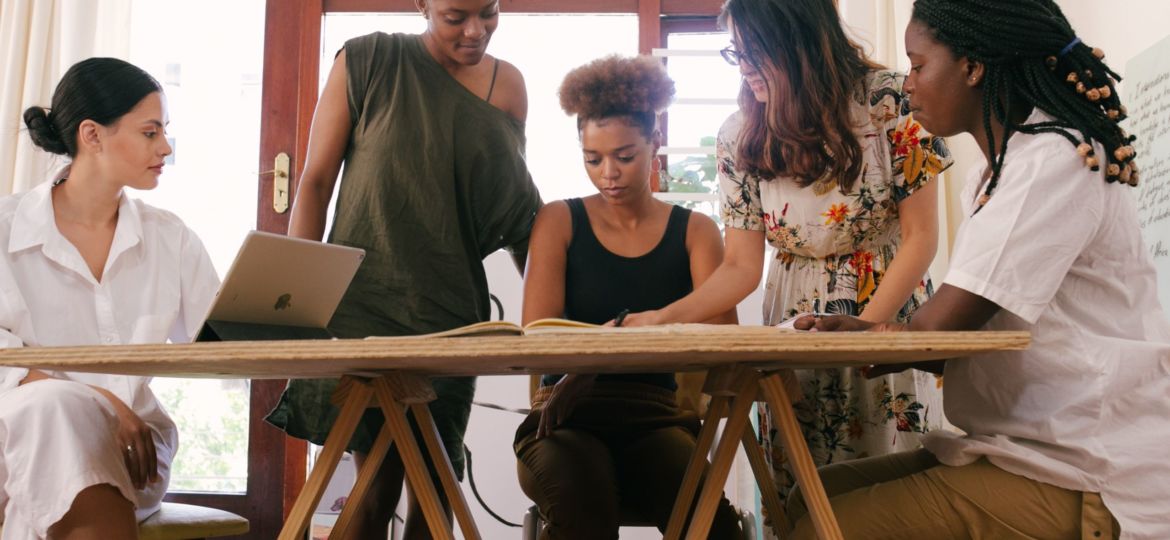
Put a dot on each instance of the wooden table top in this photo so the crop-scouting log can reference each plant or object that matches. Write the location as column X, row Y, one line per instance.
column 615, row 350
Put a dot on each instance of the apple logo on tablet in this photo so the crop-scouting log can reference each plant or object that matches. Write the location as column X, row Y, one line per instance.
column 284, row 302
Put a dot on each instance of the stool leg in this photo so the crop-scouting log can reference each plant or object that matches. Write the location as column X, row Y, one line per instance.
column 690, row 483
column 339, row 435
column 819, row 509
column 532, row 524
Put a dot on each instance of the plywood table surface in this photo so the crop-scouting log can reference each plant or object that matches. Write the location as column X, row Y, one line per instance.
column 685, row 348
column 392, row 374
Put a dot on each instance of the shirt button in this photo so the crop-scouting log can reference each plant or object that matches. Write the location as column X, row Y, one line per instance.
column 108, row 339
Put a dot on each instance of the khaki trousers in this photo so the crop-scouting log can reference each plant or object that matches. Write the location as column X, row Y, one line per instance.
column 910, row 495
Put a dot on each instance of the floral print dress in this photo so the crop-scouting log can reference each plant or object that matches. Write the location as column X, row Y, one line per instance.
column 831, row 250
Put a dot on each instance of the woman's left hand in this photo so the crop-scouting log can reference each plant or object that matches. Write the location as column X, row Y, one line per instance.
column 135, row 441
column 565, row 395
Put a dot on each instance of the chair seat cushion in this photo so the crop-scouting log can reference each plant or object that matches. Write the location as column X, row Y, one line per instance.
column 181, row 521
column 178, row 521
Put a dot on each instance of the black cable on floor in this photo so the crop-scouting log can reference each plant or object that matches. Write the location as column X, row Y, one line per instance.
column 475, row 491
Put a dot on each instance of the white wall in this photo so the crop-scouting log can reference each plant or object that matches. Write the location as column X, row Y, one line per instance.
column 1121, row 28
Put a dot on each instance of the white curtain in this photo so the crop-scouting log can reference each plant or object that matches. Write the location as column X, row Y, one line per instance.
column 39, row 40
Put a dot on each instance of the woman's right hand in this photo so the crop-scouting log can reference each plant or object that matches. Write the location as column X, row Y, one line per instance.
column 644, row 318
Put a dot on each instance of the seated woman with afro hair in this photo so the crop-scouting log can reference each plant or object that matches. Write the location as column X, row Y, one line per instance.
column 597, row 447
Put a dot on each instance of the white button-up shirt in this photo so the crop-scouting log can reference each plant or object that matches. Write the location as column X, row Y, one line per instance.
column 1087, row 407
column 157, row 285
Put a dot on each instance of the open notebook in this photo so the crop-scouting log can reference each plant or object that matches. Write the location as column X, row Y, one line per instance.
column 553, row 326
column 508, row 328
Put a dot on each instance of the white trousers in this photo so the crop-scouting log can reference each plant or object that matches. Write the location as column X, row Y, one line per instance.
column 57, row 438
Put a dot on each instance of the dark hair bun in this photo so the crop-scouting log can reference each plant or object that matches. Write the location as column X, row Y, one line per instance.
column 617, row 85
column 42, row 131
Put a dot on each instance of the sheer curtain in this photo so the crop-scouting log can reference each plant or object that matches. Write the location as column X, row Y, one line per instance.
column 40, row 40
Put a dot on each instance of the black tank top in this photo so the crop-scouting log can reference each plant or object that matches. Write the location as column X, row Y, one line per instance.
column 599, row 283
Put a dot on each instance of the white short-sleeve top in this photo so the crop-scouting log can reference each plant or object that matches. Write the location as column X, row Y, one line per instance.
column 1087, row 406
column 157, row 285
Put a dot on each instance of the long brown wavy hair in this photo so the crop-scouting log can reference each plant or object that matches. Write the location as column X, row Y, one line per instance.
column 814, row 72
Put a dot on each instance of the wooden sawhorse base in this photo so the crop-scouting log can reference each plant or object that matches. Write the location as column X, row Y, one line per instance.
column 735, row 388
column 738, row 388
column 394, row 394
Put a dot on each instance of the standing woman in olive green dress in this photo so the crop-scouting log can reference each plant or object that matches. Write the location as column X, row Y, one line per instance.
column 430, row 130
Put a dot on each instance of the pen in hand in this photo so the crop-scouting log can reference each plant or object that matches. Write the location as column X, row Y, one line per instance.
column 621, row 316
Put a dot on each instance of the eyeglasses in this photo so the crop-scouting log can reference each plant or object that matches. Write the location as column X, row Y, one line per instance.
column 734, row 57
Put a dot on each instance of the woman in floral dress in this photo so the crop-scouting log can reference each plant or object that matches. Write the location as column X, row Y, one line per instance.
column 825, row 163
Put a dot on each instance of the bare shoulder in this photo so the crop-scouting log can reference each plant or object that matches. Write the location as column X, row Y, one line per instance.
column 553, row 220
column 701, row 227
column 510, row 93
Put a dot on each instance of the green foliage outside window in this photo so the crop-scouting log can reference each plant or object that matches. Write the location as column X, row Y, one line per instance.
column 213, row 441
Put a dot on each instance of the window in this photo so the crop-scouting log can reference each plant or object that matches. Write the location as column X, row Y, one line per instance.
column 706, row 88
column 213, row 93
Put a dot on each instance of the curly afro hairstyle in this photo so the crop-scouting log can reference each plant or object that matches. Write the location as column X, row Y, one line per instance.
column 636, row 88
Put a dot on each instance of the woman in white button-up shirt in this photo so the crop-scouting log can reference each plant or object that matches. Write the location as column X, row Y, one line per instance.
column 85, row 455
column 1067, row 439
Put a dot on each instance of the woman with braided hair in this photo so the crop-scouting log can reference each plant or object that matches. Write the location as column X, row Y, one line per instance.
column 599, row 447
column 1068, row 438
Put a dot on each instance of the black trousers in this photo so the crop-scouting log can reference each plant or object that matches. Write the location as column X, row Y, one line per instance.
column 621, row 456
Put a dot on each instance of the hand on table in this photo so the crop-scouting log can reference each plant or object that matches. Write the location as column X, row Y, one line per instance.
column 845, row 323
column 644, row 318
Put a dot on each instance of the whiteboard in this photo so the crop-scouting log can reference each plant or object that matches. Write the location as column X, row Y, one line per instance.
column 1146, row 93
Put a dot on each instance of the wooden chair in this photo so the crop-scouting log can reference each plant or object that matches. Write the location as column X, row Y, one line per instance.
column 187, row 522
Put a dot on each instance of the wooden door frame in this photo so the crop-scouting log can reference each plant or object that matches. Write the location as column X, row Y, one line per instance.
column 276, row 463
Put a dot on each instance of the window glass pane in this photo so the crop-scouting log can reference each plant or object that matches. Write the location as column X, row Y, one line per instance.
column 212, row 83
column 696, row 125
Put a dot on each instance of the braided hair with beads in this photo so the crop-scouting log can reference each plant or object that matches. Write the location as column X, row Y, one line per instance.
column 1033, row 58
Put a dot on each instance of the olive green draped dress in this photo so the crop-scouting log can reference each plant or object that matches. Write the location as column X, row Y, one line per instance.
column 434, row 180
